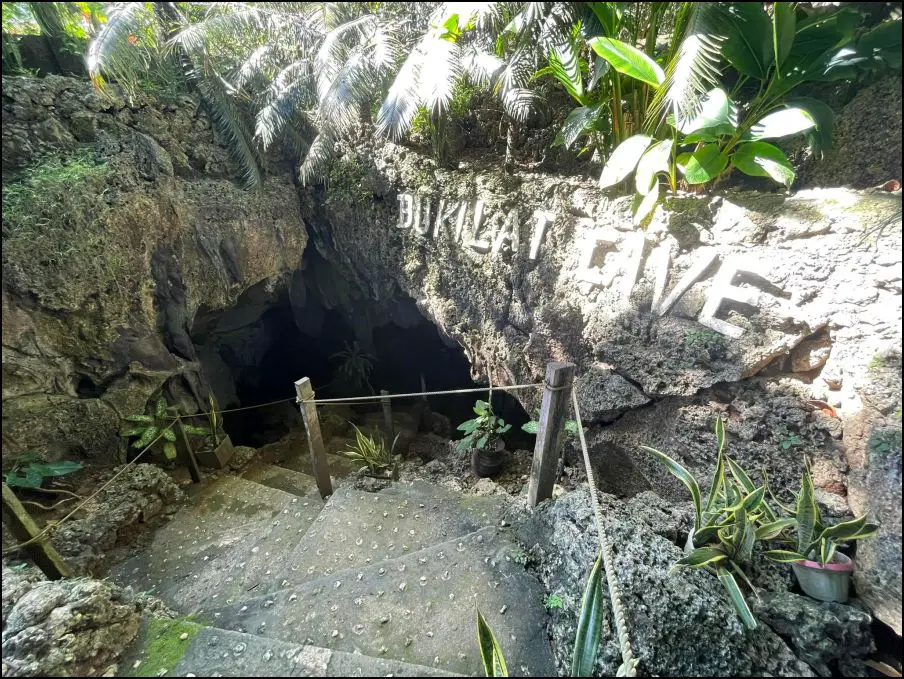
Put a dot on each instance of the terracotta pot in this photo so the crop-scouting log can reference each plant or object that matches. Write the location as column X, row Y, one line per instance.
column 487, row 462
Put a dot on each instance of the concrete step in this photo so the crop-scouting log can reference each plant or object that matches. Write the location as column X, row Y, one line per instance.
column 281, row 478
column 419, row 608
column 359, row 527
column 188, row 560
column 214, row 652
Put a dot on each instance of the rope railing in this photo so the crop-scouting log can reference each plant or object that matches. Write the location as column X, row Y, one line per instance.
column 628, row 667
column 56, row 524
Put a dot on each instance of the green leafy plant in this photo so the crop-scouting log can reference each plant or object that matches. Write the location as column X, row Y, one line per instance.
column 553, row 601
column 483, row 429
column 372, row 451
column 733, row 517
column 571, row 427
column 790, row 441
column 30, row 471
column 587, row 636
column 815, row 540
column 355, row 365
column 214, row 419
column 160, row 419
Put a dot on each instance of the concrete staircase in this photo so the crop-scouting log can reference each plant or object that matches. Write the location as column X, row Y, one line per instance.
column 279, row 583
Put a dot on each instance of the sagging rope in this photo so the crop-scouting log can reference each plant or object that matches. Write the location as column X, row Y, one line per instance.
column 56, row 524
column 628, row 668
column 377, row 399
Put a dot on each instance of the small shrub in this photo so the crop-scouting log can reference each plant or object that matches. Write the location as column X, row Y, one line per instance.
column 371, row 451
column 553, row 601
column 29, row 471
column 148, row 428
column 483, row 429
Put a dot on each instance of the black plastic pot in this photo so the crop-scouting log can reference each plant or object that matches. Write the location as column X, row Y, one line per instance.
column 487, row 462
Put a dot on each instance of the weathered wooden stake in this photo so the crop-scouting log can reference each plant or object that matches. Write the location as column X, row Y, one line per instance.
column 193, row 467
column 321, row 470
column 24, row 528
column 387, row 416
column 556, row 395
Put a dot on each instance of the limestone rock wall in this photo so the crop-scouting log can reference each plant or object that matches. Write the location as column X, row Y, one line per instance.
column 772, row 310
column 90, row 333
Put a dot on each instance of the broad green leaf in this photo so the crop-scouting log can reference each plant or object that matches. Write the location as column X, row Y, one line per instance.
column 685, row 477
column 161, row 408
column 61, row 468
column 490, row 651
column 468, row 426
column 464, row 444
column 579, row 121
column 134, row 430
column 147, row 419
column 745, row 536
column 565, row 67
column 748, row 45
column 646, row 205
column 716, row 112
column 819, row 136
column 761, row 159
column 653, row 161
column 704, row 164
column 624, row 159
column 806, row 513
column 784, row 25
column 845, row 530
column 149, row 435
column 169, row 451
column 30, row 479
column 783, row 556
column 590, row 623
column 705, row 534
column 737, row 598
column 709, row 134
column 826, row 551
column 784, row 123
column 530, row 427
column 753, row 500
column 868, row 530
column 571, row 426
column 482, row 441
column 629, row 60
column 482, row 407
column 773, row 529
column 702, row 556
column 169, row 434
column 883, row 42
column 609, row 15
column 195, row 430
column 718, row 479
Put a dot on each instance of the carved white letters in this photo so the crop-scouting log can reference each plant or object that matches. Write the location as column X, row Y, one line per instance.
column 659, row 262
column 723, row 289
column 406, row 211
column 422, row 218
column 592, row 239
column 705, row 257
column 543, row 218
column 511, row 231
column 634, row 243
column 474, row 242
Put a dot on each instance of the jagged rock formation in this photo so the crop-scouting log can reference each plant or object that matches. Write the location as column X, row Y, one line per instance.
column 812, row 297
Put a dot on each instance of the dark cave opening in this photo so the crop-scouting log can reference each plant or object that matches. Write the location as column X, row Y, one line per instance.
column 253, row 352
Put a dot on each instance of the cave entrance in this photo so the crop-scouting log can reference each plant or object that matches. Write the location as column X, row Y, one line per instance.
column 252, row 354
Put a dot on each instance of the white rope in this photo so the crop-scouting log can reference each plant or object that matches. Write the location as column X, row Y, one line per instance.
column 628, row 667
column 377, row 399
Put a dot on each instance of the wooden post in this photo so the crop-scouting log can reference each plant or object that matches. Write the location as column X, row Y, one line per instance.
column 387, row 416
column 193, row 467
column 315, row 440
column 24, row 528
column 556, row 395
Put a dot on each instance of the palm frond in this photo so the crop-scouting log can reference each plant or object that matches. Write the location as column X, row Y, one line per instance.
column 693, row 70
column 125, row 47
column 318, row 156
column 401, row 102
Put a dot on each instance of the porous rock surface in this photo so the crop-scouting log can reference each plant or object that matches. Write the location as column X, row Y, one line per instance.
column 679, row 624
column 72, row 627
column 138, row 495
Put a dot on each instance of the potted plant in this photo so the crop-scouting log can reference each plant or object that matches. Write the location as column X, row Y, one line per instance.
column 377, row 458
column 217, row 449
column 483, row 435
column 158, row 427
column 823, row 572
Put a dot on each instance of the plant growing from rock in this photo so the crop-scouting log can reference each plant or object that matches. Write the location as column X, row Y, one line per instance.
column 726, row 527
column 161, row 419
column 483, row 430
column 355, row 365
column 371, row 451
